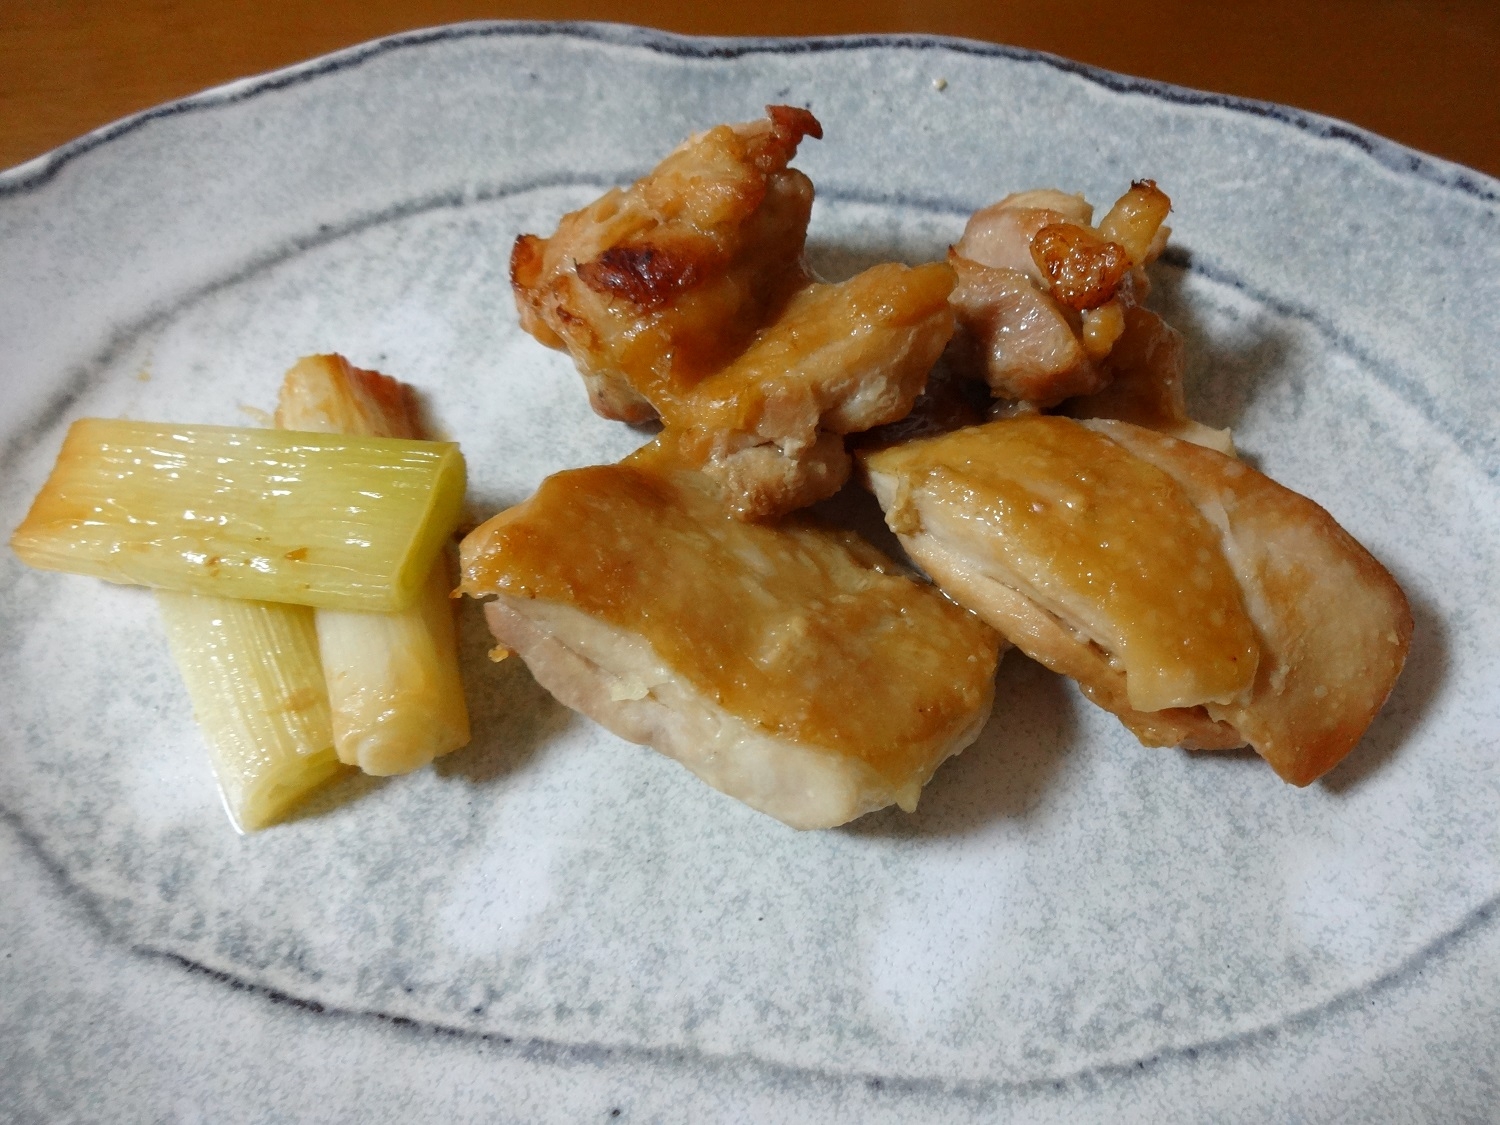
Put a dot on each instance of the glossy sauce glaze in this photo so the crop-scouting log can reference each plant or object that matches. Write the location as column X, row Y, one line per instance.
column 1334, row 626
column 806, row 631
column 1110, row 541
column 823, row 347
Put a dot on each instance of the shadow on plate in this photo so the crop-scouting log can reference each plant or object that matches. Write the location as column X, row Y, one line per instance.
column 1412, row 698
column 835, row 261
column 510, row 714
column 1223, row 376
column 351, row 786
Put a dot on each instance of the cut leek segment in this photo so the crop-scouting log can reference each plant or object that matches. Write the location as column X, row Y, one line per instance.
column 252, row 673
column 328, row 520
column 393, row 679
column 393, row 682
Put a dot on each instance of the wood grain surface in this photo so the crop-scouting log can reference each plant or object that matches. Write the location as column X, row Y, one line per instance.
column 1422, row 72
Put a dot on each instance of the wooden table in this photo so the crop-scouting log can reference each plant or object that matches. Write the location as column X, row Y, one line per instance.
column 1422, row 72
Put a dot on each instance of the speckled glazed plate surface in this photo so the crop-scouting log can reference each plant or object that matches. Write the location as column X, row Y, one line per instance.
column 556, row 925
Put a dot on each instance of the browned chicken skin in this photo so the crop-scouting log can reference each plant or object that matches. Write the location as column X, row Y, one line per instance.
column 840, row 359
column 1201, row 602
column 794, row 667
column 684, row 297
column 654, row 286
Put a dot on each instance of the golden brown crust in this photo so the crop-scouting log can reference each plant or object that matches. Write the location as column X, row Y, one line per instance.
column 1084, row 270
column 790, row 123
column 1042, row 295
column 1094, row 535
column 1335, row 627
column 647, row 275
column 786, row 628
column 1044, row 638
column 840, row 359
column 684, row 297
column 328, row 392
column 654, row 286
column 1330, row 625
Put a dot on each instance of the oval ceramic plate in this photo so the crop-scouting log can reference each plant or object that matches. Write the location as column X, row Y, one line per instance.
column 554, row 924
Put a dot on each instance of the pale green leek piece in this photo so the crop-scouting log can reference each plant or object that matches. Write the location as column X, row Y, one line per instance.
column 257, row 689
column 325, row 520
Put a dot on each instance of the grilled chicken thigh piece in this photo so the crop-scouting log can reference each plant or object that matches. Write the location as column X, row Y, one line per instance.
column 793, row 668
column 684, row 297
column 840, row 359
column 652, row 287
column 1042, row 295
column 1197, row 599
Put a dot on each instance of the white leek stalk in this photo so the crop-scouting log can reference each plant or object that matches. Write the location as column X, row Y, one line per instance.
column 393, row 680
column 252, row 673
